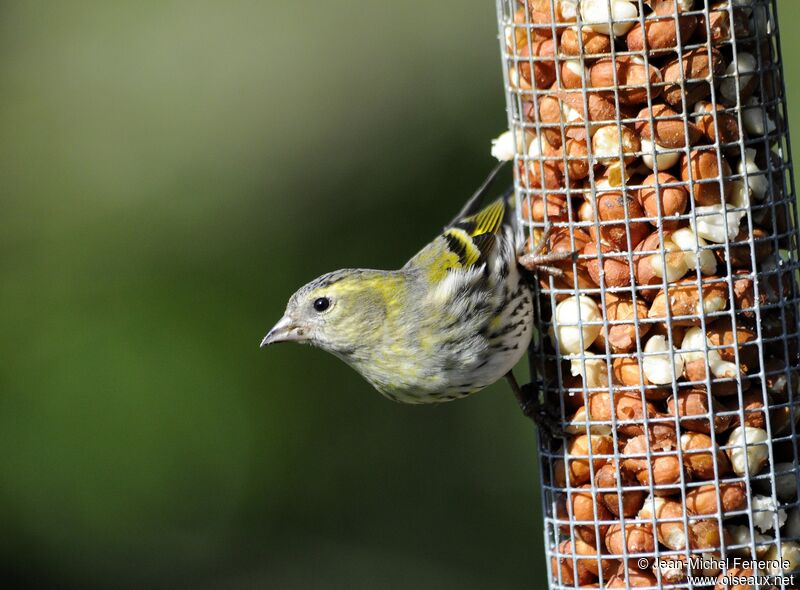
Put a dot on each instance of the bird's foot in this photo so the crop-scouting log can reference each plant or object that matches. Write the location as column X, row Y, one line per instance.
column 545, row 417
column 541, row 260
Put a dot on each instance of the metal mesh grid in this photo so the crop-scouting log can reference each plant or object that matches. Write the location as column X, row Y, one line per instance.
column 670, row 345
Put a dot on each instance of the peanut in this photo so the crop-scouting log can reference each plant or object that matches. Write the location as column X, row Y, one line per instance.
column 613, row 210
column 650, row 266
column 661, row 201
column 687, row 78
column 577, row 322
column 636, row 538
column 725, row 121
column 703, row 500
column 615, row 269
column 547, row 207
column 591, row 557
column 738, row 573
column 708, row 171
column 684, row 303
column 599, row 13
column 582, row 507
column 629, row 72
column 694, row 402
column 632, row 578
column 578, row 451
column 697, row 457
column 664, row 464
column 667, row 514
column 573, row 74
column 608, row 478
column 544, row 70
column 660, row 33
column 564, row 571
column 593, row 43
column 669, row 129
column 622, row 333
column 748, row 449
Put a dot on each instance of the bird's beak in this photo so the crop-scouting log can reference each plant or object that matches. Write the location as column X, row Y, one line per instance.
column 283, row 331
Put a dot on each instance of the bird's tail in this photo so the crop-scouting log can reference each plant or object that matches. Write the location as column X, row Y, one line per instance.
column 475, row 202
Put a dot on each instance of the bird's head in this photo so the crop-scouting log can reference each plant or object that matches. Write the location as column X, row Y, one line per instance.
column 339, row 312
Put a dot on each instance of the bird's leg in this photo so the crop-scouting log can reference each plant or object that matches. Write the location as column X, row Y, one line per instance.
column 534, row 409
column 539, row 260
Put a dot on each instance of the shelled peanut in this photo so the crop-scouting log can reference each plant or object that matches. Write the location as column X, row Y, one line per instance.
column 650, row 144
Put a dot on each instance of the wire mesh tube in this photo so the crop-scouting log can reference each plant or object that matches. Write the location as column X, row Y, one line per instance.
column 651, row 135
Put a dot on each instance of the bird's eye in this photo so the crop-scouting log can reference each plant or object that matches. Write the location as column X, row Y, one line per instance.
column 321, row 304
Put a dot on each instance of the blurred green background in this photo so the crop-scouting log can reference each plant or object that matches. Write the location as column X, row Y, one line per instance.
column 171, row 172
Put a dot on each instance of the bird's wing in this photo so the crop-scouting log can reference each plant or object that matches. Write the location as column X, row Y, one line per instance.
column 466, row 245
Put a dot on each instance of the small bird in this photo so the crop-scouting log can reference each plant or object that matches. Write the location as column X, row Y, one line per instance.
column 455, row 319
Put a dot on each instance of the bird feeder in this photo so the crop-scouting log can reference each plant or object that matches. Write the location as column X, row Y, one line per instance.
column 651, row 138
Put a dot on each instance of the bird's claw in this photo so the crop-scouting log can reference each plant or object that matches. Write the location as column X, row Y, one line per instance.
column 545, row 262
column 540, row 260
column 545, row 418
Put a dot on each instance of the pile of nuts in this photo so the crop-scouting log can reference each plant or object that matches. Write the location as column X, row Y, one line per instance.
column 648, row 136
